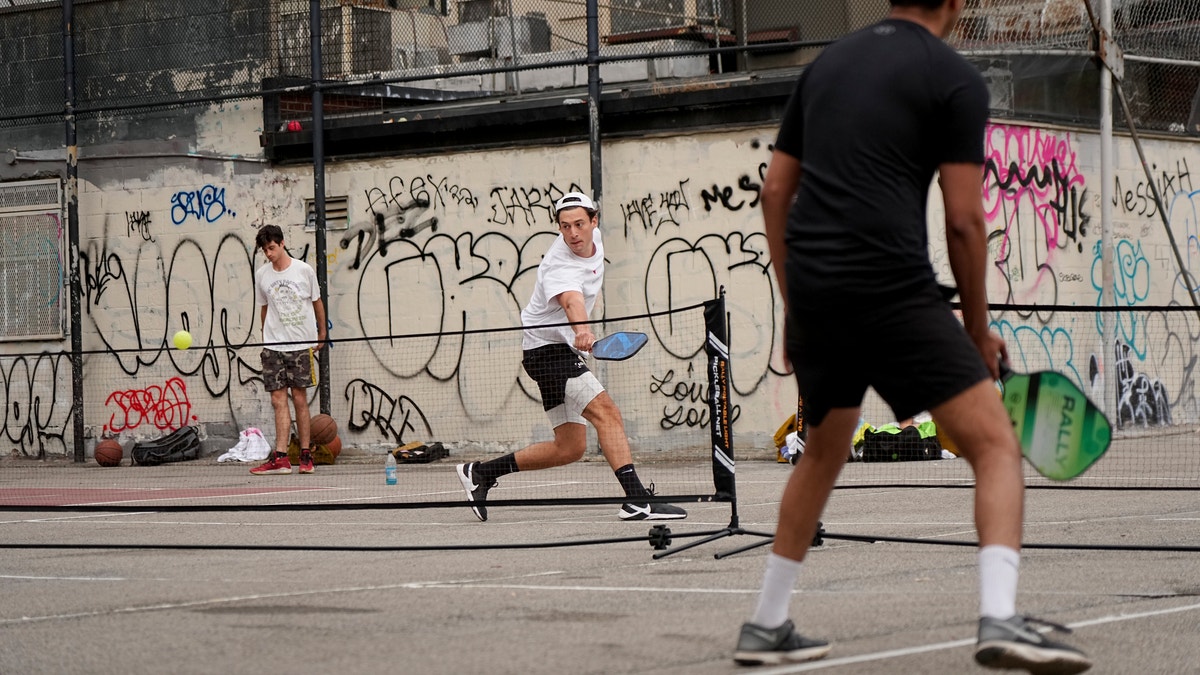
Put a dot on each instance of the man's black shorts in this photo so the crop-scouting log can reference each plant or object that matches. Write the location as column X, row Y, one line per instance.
column 915, row 353
column 566, row 384
column 551, row 366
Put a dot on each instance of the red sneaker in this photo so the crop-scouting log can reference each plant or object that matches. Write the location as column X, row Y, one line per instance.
column 278, row 463
column 306, row 463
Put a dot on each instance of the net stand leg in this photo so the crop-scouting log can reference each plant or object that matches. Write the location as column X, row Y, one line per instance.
column 818, row 540
column 743, row 549
column 733, row 529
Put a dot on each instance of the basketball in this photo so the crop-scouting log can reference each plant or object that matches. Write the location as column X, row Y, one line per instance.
column 326, row 453
column 323, row 429
column 335, row 446
column 108, row 452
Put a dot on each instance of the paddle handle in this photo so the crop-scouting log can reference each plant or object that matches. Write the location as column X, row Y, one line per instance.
column 1006, row 370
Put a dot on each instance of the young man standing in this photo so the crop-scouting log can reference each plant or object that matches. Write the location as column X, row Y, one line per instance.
column 293, row 323
column 568, row 280
column 870, row 123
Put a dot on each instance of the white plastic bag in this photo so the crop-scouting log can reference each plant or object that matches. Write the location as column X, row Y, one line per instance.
column 251, row 447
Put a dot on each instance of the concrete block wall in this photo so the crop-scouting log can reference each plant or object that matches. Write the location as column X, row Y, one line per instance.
column 681, row 219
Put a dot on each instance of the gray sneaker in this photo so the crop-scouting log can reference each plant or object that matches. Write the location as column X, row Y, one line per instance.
column 1011, row 643
column 767, row 646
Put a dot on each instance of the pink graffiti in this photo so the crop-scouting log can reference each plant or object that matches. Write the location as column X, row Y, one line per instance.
column 1033, row 171
column 166, row 407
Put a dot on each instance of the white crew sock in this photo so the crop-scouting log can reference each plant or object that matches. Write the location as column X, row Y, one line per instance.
column 776, row 595
column 998, row 567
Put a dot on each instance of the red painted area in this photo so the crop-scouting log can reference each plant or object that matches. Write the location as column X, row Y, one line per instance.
column 52, row 496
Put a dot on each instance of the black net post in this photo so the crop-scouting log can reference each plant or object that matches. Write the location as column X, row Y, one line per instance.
column 716, row 347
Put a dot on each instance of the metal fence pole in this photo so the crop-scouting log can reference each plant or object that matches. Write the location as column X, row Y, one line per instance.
column 72, row 199
column 1107, row 186
column 593, row 61
column 512, row 43
column 318, row 149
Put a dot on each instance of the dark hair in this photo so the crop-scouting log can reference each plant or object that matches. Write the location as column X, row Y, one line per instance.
column 924, row 4
column 591, row 212
column 267, row 234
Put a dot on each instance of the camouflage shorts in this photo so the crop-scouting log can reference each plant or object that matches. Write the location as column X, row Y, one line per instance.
column 287, row 369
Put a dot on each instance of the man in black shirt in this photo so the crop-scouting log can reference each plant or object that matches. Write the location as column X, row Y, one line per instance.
column 871, row 122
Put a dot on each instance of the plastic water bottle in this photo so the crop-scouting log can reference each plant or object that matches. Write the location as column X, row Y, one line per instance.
column 389, row 469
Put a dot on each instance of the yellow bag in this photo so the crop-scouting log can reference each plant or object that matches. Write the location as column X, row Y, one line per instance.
column 320, row 454
column 795, row 423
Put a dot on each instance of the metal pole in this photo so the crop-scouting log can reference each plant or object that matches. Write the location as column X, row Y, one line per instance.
column 716, row 19
column 72, row 199
column 512, row 43
column 593, row 61
column 318, row 149
column 1107, row 186
column 739, row 20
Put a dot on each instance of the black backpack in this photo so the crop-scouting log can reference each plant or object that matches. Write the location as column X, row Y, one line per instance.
column 905, row 446
column 177, row 446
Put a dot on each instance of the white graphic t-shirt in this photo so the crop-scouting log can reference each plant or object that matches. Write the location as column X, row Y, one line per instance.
column 561, row 270
column 289, row 297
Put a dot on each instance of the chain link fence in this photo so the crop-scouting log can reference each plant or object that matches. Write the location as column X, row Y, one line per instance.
column 1038, row 56
column 1161, row 40
column 131, row 56
column 31, row 61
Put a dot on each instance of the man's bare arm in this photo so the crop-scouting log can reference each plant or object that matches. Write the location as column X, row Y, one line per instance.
column 779, row 188
column 966, row 242
column 572, row 303
column 319, row 311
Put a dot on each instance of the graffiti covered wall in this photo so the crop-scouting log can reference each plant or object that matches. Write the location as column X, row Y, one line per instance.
column 449, row 244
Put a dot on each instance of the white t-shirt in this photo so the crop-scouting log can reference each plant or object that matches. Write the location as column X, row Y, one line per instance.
column 289, row 296
column 561, row 270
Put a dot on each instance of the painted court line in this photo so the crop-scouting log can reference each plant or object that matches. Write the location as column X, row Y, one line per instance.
column 954, row 644
column 45, row 578
column 70, row 496
column 711, row 591
column 240, row 598
column 67, row 520
column 150, row 501
column 866, row 658
column 589, row 589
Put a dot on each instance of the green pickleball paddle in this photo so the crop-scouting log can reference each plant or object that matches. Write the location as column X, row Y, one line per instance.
column 1061, row 431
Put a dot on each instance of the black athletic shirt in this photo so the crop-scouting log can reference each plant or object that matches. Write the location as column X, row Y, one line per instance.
column 870, row 121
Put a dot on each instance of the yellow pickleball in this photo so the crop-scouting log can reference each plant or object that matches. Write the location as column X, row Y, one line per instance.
column 182, row 339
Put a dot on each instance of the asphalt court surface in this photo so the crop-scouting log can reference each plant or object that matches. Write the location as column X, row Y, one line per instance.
column 886, row 607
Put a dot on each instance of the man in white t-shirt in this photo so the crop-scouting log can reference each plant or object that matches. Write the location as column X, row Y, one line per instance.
column 568, row 280
column 293, row 324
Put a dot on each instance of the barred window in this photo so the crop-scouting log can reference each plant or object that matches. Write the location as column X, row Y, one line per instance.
column 31, row 260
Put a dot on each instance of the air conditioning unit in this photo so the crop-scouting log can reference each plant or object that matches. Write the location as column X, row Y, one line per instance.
column 527, row 34
column 470, row 11
column 411, row 57
column 638, row 16
column 419, row 40
column 814, row 21
column 782, row 20
column 355, row 39
column 502, row 36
